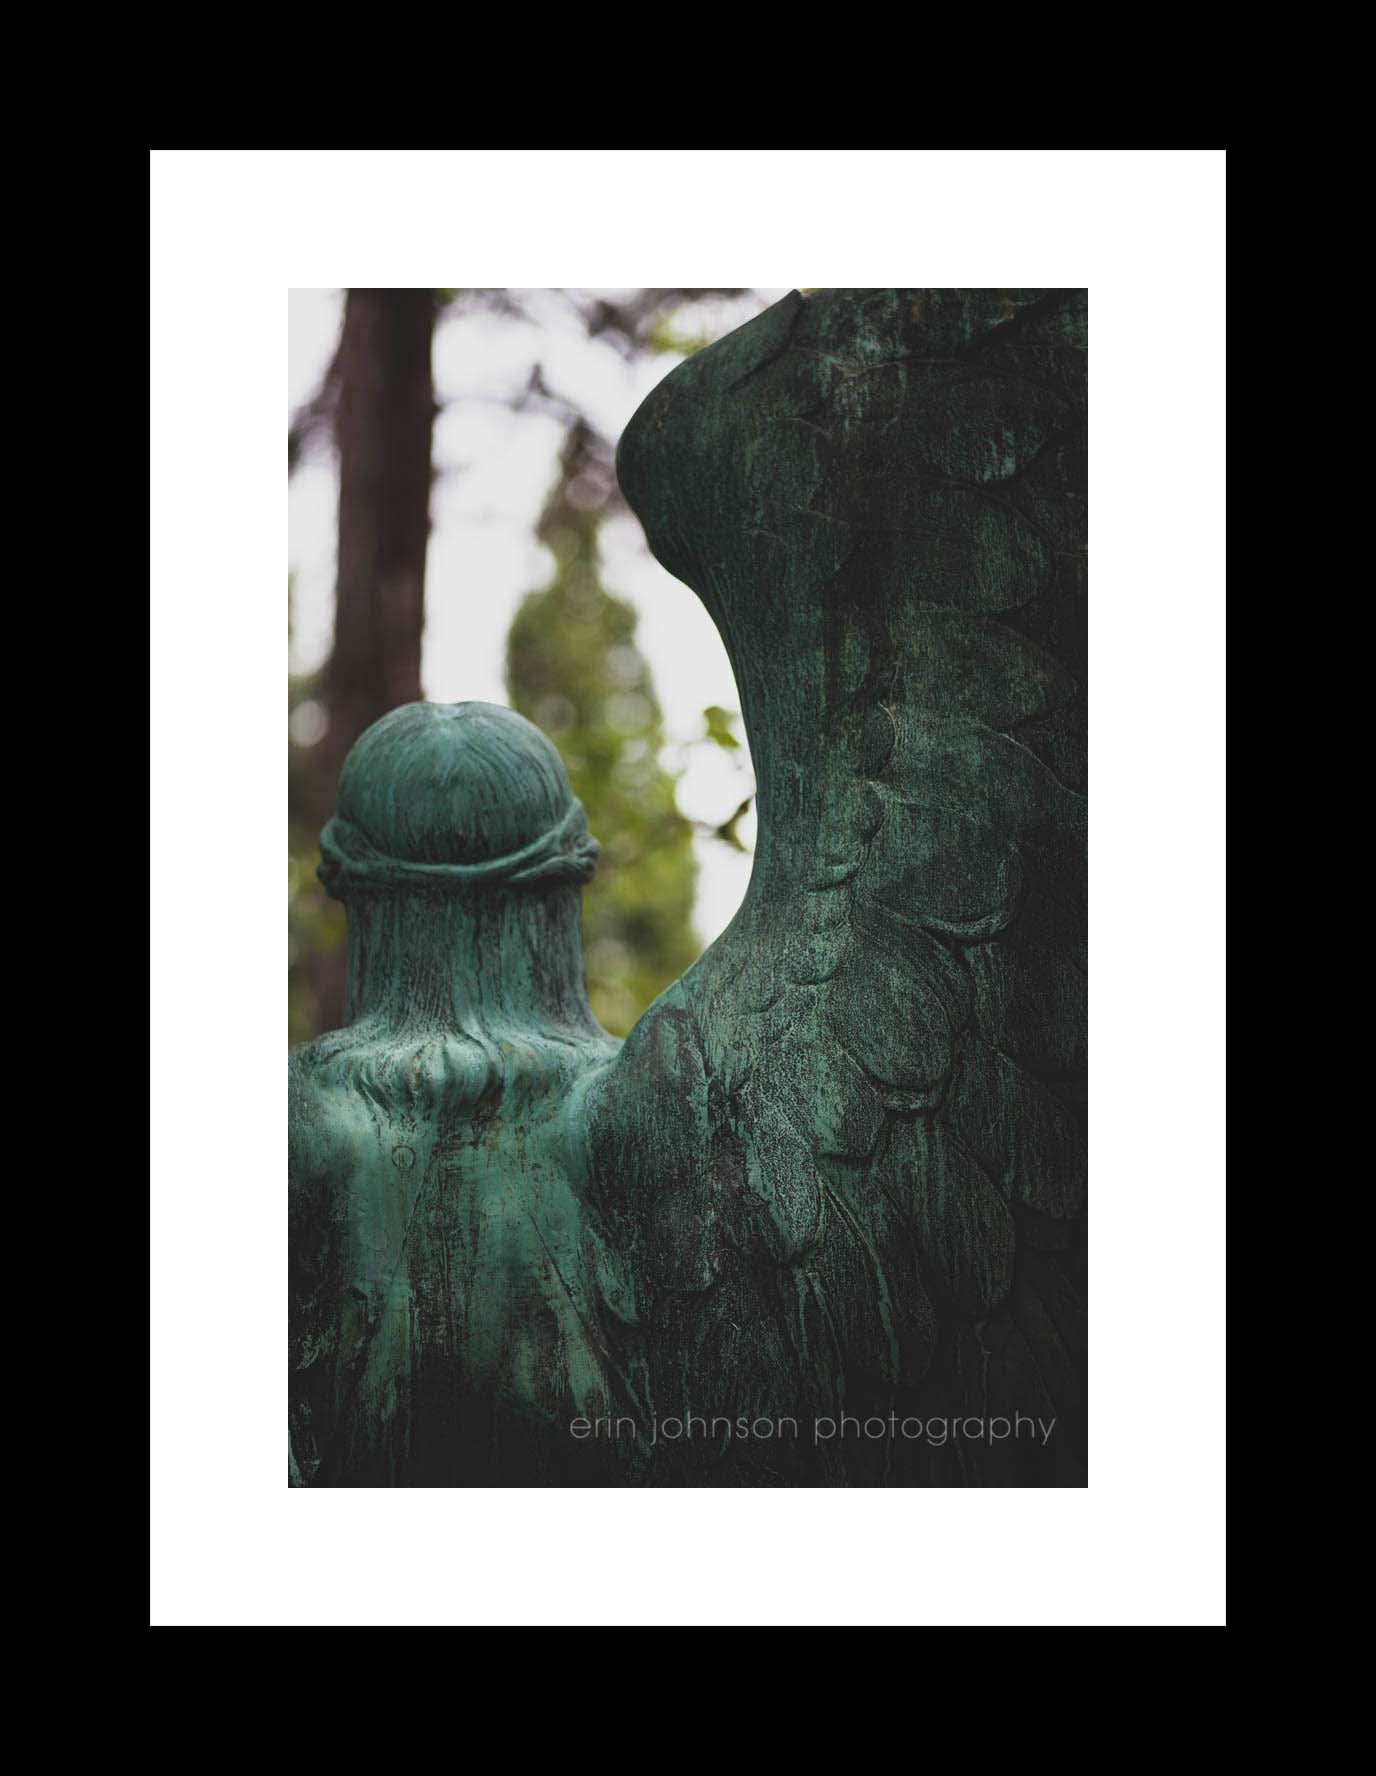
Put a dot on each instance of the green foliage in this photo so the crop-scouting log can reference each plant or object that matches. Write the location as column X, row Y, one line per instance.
column 574, row 670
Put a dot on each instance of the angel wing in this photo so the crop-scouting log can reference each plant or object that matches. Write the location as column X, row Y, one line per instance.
column 841, row 1162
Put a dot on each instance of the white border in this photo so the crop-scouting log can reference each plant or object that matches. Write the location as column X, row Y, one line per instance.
column 232, row 230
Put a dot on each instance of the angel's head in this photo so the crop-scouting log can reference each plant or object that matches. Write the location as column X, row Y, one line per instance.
column 441, row 798
column 460, row 849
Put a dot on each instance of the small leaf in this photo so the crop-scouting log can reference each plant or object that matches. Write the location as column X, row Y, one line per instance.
column 719, row 729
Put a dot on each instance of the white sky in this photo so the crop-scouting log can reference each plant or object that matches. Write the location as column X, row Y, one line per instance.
column 494, row 469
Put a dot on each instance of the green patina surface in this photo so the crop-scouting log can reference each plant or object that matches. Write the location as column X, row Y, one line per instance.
column 838, row 1168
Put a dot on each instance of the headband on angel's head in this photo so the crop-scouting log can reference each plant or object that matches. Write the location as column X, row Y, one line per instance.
column 351, row 864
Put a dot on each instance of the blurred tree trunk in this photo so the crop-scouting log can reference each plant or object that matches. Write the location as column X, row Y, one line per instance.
column 383, row 427
column 383, row 422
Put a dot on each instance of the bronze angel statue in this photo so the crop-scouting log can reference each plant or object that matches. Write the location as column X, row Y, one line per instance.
column 819, row 1220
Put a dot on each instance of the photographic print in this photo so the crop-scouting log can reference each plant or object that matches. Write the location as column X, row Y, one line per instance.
column 688, row 896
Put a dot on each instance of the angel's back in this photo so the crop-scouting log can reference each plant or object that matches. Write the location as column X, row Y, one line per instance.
column 442, row 1318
